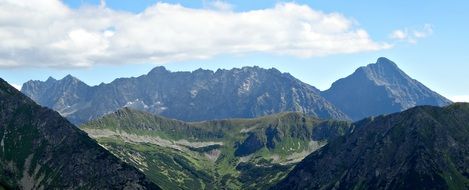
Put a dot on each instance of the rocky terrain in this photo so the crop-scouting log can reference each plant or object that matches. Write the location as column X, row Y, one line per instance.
column 190, row 96
column 380, row 88
column 205, row 146
column 248, row 92
column 222, row 154
column 41, row 150
column 421, row 148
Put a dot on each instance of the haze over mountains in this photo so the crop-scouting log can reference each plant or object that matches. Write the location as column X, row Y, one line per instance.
column 379, row 88
column 41, row 150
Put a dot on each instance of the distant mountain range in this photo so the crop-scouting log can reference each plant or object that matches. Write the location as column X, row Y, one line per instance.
column 41, row 150
column 379, row 88
column 422, row 148
column 223, row 154
column 190, row 96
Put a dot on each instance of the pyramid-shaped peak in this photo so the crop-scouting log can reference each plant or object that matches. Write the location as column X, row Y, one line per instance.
column 383, row 70
column 70, row 77
column 380, row 88
column 71, row 80
column 383, row 61
column 50, row 79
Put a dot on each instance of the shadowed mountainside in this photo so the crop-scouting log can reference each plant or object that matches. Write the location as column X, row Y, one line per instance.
column 41, row 150
column 380, row 88
column 421, row 148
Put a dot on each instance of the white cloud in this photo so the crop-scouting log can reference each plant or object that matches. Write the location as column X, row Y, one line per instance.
column 412, row 35
column 46, row 33
column 460, row 98
column 219, row 5
column 399, row 34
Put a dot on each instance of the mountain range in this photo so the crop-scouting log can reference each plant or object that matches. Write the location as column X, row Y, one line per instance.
column 424, row 147
column 220, row 154
column 190, row 96
column 249, row 92
column 41, row 150
column 247, row 128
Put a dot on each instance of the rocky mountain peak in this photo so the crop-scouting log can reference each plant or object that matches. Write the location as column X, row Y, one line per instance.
column 380, row 88
column 383, row 61
column 70, row 80
column 202, row 71
column 158, row 70
column 70, row 77
column 384, row 70
column 51, row 79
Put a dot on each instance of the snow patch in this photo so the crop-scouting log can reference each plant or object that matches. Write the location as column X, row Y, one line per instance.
column 194, row 93
column 137, row 104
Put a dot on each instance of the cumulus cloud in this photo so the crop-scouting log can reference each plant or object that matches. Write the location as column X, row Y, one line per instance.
column 412, row 35
column 460, row 98
column 47, row 33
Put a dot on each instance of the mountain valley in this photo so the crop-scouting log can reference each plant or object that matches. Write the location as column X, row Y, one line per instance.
column 254, row 128
column 226, row 154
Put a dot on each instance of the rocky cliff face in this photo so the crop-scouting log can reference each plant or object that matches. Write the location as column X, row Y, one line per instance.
column 41, row 150
column 191, row 96
column 61, row 95
column 421, row 148
column 380, row 88
column 376, row 89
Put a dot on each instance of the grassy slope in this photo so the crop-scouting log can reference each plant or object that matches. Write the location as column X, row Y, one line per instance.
column 201, row 155
column 41, row 150
column 422, row 148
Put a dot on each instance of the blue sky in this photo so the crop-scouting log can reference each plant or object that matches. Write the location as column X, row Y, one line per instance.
column 431, row 46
